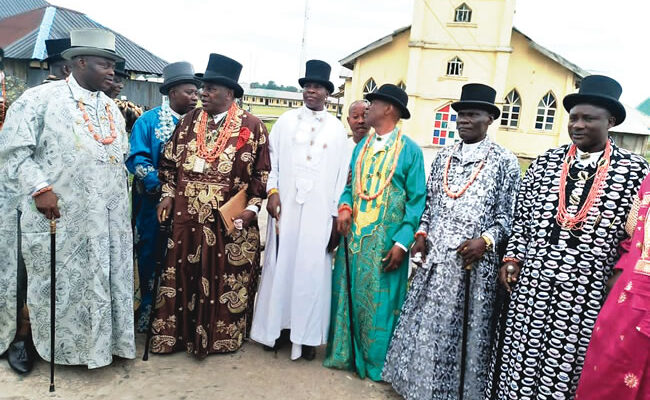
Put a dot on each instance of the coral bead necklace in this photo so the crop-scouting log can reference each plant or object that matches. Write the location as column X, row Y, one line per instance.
column 106, row 140
column 472, row 178
column 211, row 155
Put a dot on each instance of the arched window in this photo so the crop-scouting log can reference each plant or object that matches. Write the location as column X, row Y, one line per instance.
column 444, row 127
column 511, row 110
column 463, row 13
column 369, row 87
column 546, row 112
column 401, row 85
column 455, row 67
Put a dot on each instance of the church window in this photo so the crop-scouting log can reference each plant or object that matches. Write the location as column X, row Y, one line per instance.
column 463, row 14
column 546, row 112
column 455, row 67
column 401, row 85
column 511, row 110
column 444, row 127
column 369, row 87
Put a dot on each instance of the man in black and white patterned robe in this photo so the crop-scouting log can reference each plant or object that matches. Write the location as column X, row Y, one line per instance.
column 559, row 271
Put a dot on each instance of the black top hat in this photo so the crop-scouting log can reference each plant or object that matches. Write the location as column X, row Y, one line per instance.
column 119, row 69
column 54, row 49
column 600, row 91
column 317, row 71
column 477, row 96
column 177, row 73
column 224, row 71
column 393, row 95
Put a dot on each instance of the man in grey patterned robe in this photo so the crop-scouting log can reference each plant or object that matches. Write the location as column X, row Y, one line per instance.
column 62, row 152
column 470, row 201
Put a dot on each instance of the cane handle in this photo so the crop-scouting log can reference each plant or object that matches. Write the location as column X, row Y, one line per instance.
column 52, row 225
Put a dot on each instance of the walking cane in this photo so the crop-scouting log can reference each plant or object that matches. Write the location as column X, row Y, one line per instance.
column 349, row 289
column 161, row 247
column 463, row 350
column 277, row 232
column 52, row 298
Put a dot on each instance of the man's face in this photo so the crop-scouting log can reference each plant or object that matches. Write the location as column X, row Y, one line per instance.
column 216, row 98
column 314, row 95
column 588, row 126
column 376, row 112
column 116, row 87
column 183, row 97
column 472, row 124
column 97, row 72
column 357, row 121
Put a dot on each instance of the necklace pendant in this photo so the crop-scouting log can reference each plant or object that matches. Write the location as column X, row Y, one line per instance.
column 574, row 199
column 583, row 175
column 199, row 165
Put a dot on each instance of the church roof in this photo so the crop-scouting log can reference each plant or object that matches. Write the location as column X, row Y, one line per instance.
column 26, row 24
column 349, row 60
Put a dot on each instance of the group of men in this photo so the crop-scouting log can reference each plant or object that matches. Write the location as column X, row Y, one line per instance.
column 341, row 225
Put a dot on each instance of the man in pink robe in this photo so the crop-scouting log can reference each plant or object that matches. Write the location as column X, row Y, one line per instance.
column 617, row 364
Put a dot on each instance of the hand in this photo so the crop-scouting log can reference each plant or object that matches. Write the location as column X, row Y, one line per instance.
column 334, row 237
column 471, row 250
column 420, row 246
column 509, row 278
column 46, row 204
column 343, row 222
column 165, row 209
column 273, row 205
column 394, row 258
column 246, row 216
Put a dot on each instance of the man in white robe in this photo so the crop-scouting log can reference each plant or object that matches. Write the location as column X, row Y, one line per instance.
column 62, row 152
column 309, row 167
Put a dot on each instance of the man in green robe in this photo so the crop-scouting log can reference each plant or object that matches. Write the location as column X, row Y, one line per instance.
column 379, row 212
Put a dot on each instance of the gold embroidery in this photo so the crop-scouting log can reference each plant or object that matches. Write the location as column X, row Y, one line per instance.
column 161, row 342
column 196, row 257
column 210, row 237
column 622, row 298
column 237, row 299
column 642, row 267
column 167, row 292
column 204, row 336
column 170, row 243
column 631, row 222
column 190, row 305
column 243, row 249
column 628, row 287
column 169, row 274
column 206, row 287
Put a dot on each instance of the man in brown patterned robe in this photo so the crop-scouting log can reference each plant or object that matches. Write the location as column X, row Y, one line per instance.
column 209, row 278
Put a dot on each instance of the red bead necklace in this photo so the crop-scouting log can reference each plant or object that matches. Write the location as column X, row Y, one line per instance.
column 472, row 178
column 211, row 155
column 563, row 218
column 106, row 140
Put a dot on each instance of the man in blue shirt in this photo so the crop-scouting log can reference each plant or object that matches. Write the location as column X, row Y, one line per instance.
column 148, row 137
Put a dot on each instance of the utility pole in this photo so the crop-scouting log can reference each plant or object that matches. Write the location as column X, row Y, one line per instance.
column 303, row 55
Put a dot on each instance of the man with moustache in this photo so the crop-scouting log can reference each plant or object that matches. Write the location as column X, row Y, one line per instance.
column 357, row 121
column 210, row 276
column 62, row 152
column 309, row 161
column 379, row 211
column 148, row 138
column 569, row 220
column 470, row 201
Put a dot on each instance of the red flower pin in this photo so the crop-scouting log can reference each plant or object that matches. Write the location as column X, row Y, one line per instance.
column 244, row 134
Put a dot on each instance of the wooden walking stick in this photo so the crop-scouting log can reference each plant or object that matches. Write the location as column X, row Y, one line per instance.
column 52, row 298
column 349, row 289
column 161, row 247
column 463, row 349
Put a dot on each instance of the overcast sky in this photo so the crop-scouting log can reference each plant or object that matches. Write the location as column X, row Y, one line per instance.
column 601, row 36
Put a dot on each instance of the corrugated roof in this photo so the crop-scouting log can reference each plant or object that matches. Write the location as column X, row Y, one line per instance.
column 138, row 59
column 15, row 7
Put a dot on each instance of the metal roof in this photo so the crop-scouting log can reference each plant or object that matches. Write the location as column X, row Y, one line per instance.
column 62, row 21
column 15, row 7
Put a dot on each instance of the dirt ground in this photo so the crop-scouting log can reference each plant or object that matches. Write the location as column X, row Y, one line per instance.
column 250, row 373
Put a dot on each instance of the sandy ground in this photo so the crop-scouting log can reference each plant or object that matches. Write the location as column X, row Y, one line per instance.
column 250, row 373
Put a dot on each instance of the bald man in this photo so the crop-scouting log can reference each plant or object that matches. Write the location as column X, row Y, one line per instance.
column 357, row 120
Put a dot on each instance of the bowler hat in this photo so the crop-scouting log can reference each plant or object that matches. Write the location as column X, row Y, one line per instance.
column 393, row 95
column 177, row 73
column 600, row 91
column 224, row 71
column 92, row 42
column 317, row 71
column 54, row 49
column 477, row 96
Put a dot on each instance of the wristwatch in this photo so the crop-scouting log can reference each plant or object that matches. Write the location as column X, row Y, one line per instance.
column 489, row 246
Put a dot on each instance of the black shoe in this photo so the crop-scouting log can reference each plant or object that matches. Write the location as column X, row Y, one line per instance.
column 21, row 357
column 308, row 352
column 283, row 340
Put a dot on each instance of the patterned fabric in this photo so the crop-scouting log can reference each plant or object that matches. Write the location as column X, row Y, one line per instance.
column 376, row 227
column 617, row 364
column 554, row 305
column 210, row 278
column 423, row 360
column 146, row 149
column 45, row 140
